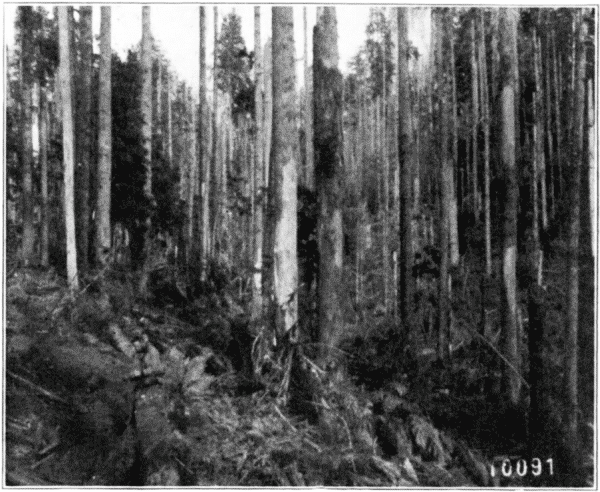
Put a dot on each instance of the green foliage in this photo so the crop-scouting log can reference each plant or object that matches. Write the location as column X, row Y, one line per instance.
column 233, row 67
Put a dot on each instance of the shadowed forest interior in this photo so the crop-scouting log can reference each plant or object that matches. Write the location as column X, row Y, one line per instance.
column 374, row 276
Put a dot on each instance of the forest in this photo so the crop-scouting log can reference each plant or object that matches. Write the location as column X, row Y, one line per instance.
column 380, row 275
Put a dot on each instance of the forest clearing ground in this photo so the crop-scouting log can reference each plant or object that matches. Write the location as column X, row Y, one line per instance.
column 70, row 418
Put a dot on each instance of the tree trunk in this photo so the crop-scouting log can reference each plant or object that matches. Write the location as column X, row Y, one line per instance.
column 103, row 226
column 557, row 115
column 308, row 130
column 405, row 157
column 485, row 107
column 214, row 209
column 285, row 263
column 84, row 138
column 146, row 107
column 327, row 111
column 454, row 246
column 169, row 123
column 445, row 180
column 45, row 216
column 537, row 161
column 575, row 164
column 475, row 116
column 203, row 155
column 64, row 23
column 258, row 195
column 508, row 62
column 28, row 241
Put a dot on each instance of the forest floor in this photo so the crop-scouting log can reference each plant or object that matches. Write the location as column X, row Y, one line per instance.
column 103, row 389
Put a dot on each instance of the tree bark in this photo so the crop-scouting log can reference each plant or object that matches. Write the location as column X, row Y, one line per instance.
column 146, row 107
column 45, row 216
column 445, row 180
column 454, row 246
column 508, row 62
column 64, row 23
column 327, row 101
column 577, row 161
column 258, row 195
column 26, row 82
column 203, row 154
column 103, row 226
column 485, row 107
column 308, row 130
column 285, row 262
column 84, row 137
column 475, row 116
column 538, row 174
column 405, row 160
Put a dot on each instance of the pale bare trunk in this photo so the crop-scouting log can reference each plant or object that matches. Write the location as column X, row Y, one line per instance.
column 103, row 227
column 64, row 22
column 454, row 246
column 593, row 166
column 146, row 110
column 285, row 264
column 475, row 120
column 203, row 160
column 45, row 216
column 508, row 46
column 258, row 195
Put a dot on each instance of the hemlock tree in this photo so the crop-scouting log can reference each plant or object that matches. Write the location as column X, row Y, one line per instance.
column 284, row 179
column 328, row 147
column 508, row 80
column 103, row 228
column 64, row 29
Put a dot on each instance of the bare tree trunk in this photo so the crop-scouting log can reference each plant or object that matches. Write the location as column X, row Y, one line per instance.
column 557, row 113
column 576, row 163
column 64, row 23
column 308, row 130
column 146, row 107
column 538, row 156
column 485, row 106
column 169, row 123
column 454, row 246
column 328, row 87
column 214, row 209
column 405, row 157
column 445, row 180
column 45, row 216
column 258, row 196
column 593, row 167
column 28, row 241
column 103, row 227
column 84, row 138
column 475, row 116
column 203, row 155
column 285, row 264
column 508, row 60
